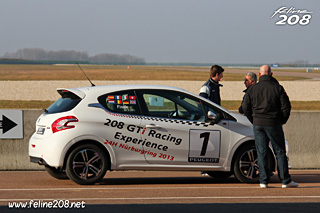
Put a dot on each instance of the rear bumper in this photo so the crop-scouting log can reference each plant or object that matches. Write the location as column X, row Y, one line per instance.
column 39, row 161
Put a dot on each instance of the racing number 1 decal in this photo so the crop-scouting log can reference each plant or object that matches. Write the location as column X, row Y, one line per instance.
column 204, row 135
column 204, row 146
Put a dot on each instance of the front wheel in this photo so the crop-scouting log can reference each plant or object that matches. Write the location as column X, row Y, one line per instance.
column 246, row 167
column 87, row 164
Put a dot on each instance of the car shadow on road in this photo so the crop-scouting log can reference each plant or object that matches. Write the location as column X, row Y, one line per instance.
column 300, row 178
column 165, row 180
column 307, row 177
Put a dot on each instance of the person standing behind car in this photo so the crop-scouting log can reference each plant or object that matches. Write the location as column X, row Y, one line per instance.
column 249, row 80
column 211, row 88
column 268, row 107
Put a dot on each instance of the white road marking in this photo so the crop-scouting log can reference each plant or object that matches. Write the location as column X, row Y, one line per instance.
column 140, row 188
column 166, row 198
column 131, row 188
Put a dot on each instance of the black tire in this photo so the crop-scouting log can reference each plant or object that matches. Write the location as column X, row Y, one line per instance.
column 246, row 167
column 87, row 164
column 219, row 174
column 56, row 173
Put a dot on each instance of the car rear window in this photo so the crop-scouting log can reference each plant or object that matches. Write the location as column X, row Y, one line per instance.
column 67, row 102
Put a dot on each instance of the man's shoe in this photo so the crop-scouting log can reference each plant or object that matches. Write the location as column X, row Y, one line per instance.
column 263, row 186
column 290, row 185
column 204, row 174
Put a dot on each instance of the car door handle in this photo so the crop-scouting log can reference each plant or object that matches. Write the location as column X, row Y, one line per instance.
column 152, row 126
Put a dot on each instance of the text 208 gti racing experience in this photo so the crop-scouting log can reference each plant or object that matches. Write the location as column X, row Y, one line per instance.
column 92, row 130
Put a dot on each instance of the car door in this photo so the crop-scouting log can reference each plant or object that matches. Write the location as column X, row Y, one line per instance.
column 122, row 127
column 176, row 131
column 210, row 146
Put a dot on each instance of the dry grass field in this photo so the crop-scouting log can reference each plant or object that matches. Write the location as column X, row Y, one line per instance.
column 230, row 105
column 114, row 73
column 47, row 73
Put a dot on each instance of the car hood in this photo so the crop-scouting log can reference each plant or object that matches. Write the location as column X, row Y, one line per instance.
column 242, row 119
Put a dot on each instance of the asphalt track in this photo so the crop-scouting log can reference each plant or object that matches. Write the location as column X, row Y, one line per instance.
column 154, row 191
column 315, row 75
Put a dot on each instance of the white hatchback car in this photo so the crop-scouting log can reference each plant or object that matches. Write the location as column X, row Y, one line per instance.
column 142, row 127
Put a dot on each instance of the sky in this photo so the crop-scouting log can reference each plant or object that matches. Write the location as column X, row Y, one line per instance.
column 165, row 31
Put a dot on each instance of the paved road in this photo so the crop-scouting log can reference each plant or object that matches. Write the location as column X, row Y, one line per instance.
column 315, row 75
column 140, row 187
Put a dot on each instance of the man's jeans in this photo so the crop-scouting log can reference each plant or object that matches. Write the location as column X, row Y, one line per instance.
column 264, row 134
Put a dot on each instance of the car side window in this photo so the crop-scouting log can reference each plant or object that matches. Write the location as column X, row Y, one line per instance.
column 121, row 102
column 171, row 104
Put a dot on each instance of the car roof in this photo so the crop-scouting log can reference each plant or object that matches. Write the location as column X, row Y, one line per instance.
column 100, row 90
column 83, row 91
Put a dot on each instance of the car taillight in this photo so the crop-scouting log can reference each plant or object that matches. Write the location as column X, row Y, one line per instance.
column 63, row 123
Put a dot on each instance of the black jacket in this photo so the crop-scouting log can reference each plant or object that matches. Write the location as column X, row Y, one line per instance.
column 240, row 108
column 211, row 91
column 266, row 103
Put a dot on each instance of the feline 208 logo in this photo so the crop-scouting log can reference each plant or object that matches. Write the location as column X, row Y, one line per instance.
column 292, row 16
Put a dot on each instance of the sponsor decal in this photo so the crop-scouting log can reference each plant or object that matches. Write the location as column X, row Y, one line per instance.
column 151, row 133
column 164, row 137
column 139, row 151
column 122, row 107
column 204, row 146
column 143, row 142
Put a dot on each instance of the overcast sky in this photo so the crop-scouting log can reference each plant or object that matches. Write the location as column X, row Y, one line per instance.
column 195, row 31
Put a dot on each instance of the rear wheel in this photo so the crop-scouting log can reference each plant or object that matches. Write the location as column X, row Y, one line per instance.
column 87, row 164
column 246, row 167
column 56, row 172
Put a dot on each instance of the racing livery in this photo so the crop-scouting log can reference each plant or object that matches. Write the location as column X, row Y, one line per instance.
column 92, row 130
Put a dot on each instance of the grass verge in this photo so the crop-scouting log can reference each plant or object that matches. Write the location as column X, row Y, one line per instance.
column 230, row 105
column 295, row 105
column 113, row 73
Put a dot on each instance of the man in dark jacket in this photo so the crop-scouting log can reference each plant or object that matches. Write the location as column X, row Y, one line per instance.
column 211, row 88
column 267, row 106
column 249, row 80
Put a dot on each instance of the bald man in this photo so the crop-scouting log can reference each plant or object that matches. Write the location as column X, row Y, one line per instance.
column 267, row 106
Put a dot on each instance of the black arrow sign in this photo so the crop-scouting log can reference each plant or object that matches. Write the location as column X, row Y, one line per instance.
column 6, row 124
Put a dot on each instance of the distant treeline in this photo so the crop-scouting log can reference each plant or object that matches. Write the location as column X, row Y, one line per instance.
column 40, row 56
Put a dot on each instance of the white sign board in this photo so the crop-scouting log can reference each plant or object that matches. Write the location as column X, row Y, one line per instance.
column 11, row 124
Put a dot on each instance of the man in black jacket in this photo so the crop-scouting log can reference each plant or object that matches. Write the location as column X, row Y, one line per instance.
column 249, row 80
column 211, row 88
column 267, row 106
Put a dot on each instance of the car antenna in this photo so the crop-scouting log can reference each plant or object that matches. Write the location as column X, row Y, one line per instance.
column 85, row 75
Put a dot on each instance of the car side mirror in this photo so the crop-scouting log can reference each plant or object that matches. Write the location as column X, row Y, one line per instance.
column 213, row 117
